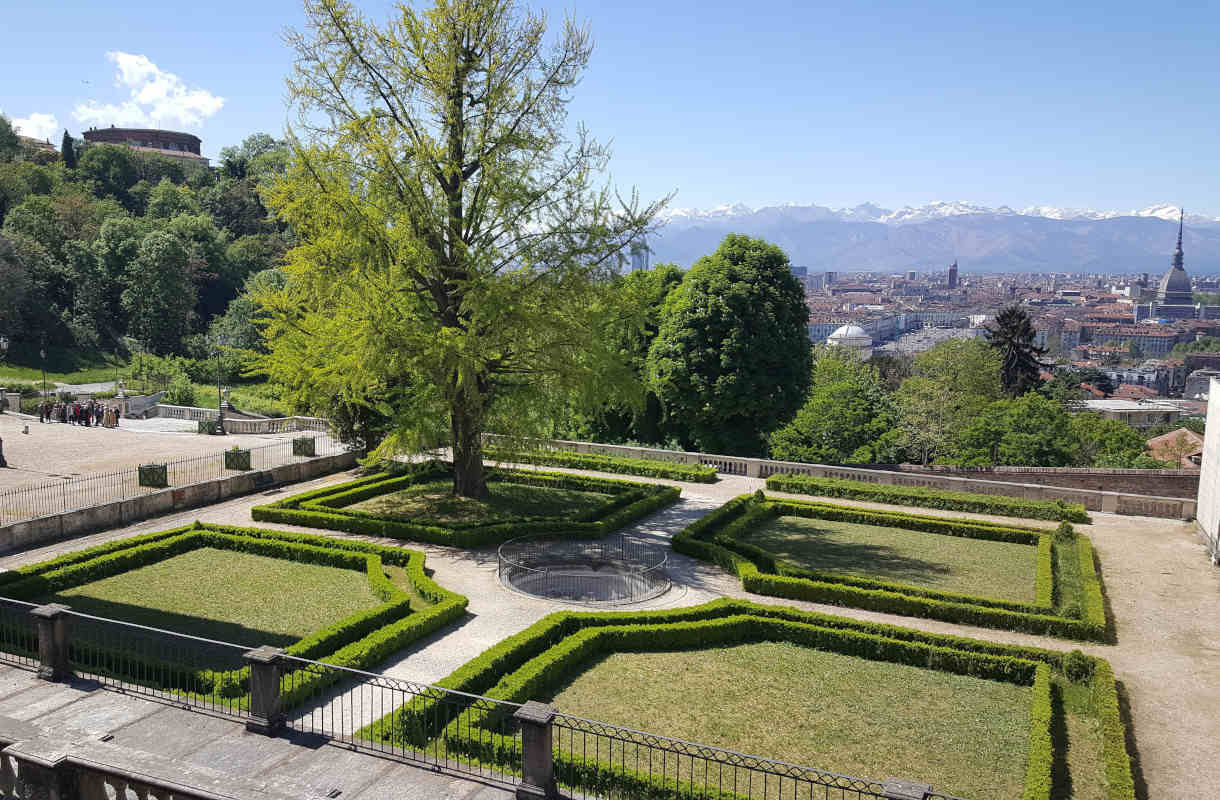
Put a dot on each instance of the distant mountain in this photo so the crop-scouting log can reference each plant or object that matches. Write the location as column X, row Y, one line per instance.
column 871, row 238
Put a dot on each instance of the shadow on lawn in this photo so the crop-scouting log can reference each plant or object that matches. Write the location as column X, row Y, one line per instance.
column 811, row 549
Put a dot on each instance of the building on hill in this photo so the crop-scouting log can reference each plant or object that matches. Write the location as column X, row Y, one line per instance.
column 1197, row 383
column 182, row 147
column 1183, row 446
column 37, row 150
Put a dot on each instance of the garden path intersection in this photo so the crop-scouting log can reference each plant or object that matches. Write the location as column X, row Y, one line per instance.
column 1159, row 586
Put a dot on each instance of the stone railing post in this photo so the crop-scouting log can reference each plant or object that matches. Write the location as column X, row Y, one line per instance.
column 899, row 789
column 537, row 755
column 265, row 714
column 53, row 641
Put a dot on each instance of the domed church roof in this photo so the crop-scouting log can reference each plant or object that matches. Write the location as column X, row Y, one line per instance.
column 851, row 332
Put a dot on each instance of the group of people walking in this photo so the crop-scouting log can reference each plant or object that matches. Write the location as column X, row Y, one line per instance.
column 89, row 413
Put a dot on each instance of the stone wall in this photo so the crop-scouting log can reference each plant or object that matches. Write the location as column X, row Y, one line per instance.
column 1209, row 479
column 22, row 535
column 1116, row 502
column 1157, row 482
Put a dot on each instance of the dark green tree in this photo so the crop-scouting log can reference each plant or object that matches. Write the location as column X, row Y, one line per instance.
column 731, row 361
column 1013, row 335
column 159, row 295
column 68, row 151
column 10, row 145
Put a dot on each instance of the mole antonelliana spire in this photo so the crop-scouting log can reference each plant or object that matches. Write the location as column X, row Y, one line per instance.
column 1177, row 254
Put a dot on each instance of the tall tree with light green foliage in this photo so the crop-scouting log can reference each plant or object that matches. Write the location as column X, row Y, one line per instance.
column 731, row 361
column 453, row 247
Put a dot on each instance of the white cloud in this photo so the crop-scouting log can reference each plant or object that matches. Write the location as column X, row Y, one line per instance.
column 37, row 125
column 157, row 98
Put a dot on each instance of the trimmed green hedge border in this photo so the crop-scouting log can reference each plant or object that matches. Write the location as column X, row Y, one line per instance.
column 360, row 641
column 644, row 467
column 522, row 667
column 1002, row 505
column 1040, row 763
column 714, row 538
column 326, row 508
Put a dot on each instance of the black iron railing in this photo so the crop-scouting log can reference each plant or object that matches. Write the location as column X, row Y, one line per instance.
column 614, row 569
column 18, row 634
column 503, row 742
column 86, row 491
column 136, row 659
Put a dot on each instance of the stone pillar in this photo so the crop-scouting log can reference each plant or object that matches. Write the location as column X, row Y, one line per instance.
column 537, row 755
column 53, row 641
column 898, row 789
column 265, row 714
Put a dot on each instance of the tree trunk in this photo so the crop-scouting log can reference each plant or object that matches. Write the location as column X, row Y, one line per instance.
column 469, row 479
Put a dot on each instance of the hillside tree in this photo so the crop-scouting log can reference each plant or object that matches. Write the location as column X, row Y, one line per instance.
column 1012, row 335
column 453, row 249
column 731, row 361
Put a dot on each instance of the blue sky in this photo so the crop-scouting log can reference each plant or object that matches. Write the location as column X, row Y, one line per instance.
column 1082, row 104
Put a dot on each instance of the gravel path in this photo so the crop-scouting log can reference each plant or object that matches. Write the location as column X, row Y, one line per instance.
column 1160, row 586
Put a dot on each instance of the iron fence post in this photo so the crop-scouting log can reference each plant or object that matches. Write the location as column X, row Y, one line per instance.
column 537, row 754
column 266, row 716
column 53, row 641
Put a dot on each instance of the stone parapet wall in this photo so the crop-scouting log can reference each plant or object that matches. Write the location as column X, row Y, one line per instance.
column 1116, row 502
column 22, row 535
column 1156, row 482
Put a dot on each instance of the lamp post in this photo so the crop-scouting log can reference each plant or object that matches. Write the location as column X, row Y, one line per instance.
column 220, row 403
column 3, row 347
column 42, row 353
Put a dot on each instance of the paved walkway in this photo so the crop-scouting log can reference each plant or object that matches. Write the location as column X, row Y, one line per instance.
column 1159, row 584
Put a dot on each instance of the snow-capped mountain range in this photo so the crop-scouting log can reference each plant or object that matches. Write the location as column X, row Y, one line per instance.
column 870, row 212
column 982, row 239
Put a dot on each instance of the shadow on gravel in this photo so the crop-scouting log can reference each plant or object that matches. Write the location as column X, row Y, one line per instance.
column 1137, row 771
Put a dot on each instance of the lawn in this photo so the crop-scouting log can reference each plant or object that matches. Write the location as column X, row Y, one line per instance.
column 258, row 398
column 946, row 563
column 873, row 719
column 435, row 502
column 226, row 595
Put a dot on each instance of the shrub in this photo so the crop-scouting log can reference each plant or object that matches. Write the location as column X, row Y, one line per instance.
column 1001, row 505
column 181, row 392
column 1077, row 666
column 1065, row 532
column 645, row 467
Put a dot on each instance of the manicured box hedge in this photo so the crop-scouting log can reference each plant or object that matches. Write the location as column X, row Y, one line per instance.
column 360, row 641
column 645, row 467
column 1001, row 505
column 329, row 508
column 532, row 664
column 716, row 538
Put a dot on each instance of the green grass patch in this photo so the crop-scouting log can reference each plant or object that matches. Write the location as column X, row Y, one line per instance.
column 419, row 506
column 63, row 364
column 795, row 682
column 858, row 568
column 950, row 563
column 259, row 398
column 226, row 595
column 806, row 706
column 436, row 502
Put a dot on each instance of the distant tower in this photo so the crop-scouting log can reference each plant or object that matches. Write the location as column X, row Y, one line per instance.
column 1175, row 288
column 953, row 274
column 639, row 255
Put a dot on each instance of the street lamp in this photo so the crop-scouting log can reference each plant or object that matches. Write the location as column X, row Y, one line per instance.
column 42, row 353
column 3, row 346
column 220, row 403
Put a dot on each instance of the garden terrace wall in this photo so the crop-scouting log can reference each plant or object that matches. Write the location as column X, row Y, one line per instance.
column 1179, row 483
column 1105, row 501
column 31, row 533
